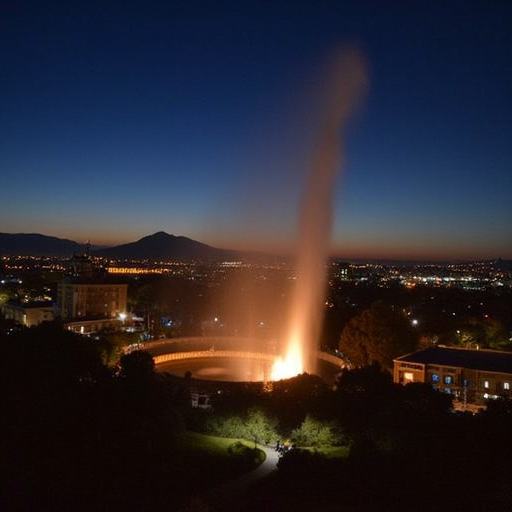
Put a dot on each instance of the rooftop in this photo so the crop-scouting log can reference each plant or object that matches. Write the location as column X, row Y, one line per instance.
column 29, row 305
column 487, row 360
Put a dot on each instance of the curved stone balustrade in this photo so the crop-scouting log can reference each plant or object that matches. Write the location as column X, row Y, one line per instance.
column 209, row 340
column 219, row 341
column 337, row 361
column 196, row 354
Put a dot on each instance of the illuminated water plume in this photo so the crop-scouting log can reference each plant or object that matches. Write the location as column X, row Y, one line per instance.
column 345, row 82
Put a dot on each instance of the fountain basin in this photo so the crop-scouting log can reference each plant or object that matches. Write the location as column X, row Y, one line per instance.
column 180, row 356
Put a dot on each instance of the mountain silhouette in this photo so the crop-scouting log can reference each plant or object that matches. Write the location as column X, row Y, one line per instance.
column 162, row 246
column 34, row 244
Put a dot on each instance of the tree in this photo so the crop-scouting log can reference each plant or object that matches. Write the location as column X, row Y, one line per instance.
column 138, row 366
column 259, row 427
column 364, row 403
column 489, row 332
column 313, row 432
column 291, row 399
column 7, row 326
column 256, row 425
column 365, row 382
column 377, row 335
column 226, row 426
column 496, row 335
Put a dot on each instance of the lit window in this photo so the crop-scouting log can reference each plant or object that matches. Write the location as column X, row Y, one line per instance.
column 435, row 377
column 408, row 377
column 506, row 385
column 486, row 384
column 448, row 390
column 448, row 379
column 465, row 383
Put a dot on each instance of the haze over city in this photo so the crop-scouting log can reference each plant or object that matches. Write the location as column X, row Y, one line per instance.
column 198, row 118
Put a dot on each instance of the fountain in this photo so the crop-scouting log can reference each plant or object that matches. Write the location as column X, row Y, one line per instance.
column 346, row 81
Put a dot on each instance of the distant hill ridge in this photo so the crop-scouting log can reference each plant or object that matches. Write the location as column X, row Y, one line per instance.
column 159, row 246
column 34, row 244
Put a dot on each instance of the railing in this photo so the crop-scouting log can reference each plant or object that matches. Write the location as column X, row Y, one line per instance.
column 232, row 354
column 196, row 354
column 210, row 340
column 337, row 361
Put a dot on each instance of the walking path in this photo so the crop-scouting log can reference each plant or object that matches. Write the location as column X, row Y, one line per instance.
column 233, row 489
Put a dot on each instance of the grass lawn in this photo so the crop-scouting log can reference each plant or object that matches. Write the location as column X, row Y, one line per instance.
column 215, row 446
column 206, row 459
column 332, row 452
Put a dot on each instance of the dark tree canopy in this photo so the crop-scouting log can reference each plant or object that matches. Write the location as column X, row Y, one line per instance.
column 377, row 335
column 137, row 366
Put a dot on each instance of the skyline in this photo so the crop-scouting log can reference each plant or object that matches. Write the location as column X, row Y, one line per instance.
column 198, row 120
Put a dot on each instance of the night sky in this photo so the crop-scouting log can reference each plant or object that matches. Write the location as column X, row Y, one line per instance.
column 119, row 119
